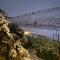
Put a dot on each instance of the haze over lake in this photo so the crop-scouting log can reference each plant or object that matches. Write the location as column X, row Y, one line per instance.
column 43, row 32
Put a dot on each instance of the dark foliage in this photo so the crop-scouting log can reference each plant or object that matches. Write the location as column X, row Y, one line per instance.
column 14, row 29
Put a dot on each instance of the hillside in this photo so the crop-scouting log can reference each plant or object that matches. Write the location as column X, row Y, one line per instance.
column 15, row 45
column 50, row 16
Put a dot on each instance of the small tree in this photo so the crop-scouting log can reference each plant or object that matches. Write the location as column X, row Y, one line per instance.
column 35, row 23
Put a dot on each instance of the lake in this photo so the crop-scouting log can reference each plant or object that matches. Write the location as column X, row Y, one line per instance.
column 43, row 32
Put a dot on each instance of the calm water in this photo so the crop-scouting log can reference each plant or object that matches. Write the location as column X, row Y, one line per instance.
column 43, row 32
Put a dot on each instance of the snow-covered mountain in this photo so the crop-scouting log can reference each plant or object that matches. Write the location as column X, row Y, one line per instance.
column 49, row 16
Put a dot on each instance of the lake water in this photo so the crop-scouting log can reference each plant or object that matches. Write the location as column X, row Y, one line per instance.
column 44, row 32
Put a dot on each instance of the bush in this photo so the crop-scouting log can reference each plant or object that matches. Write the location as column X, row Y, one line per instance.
column 14, row 29
column 45, row 48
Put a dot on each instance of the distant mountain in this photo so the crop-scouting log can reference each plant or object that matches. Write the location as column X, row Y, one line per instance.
column 49, row 16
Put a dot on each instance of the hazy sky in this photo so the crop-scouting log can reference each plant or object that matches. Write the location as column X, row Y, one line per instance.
column 18, row 7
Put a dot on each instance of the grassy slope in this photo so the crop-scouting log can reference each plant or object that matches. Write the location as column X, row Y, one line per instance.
column 44, row 48
column 39, row 48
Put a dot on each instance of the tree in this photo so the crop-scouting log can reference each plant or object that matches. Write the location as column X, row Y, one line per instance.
column 14, row 48
column 16, row 30
column 5, row 34
column 35, row 23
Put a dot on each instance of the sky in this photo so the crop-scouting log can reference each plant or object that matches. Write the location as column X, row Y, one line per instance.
column 18, row 7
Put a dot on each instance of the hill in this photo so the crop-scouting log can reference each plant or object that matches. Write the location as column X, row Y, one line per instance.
column 50, row 16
